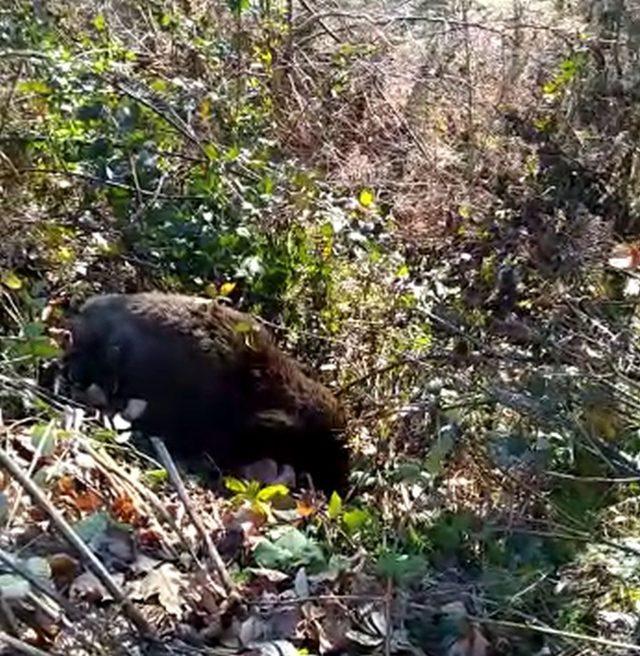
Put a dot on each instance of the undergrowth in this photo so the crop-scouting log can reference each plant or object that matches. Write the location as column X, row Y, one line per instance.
column 420, row 202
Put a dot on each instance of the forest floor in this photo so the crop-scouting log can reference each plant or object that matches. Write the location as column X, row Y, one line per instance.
column 434, row 207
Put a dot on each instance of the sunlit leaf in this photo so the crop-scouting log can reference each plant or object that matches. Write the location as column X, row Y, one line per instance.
column 366, row 197
column 11, row 280
column 99, row 23
column 227, row 287
column 334, row 508
column 356, row 519
column 243, row 327
column 156, row 476
column 235, row 485
column 289, row 549
column 272, row 491
column 239, row 6
column 464, row 211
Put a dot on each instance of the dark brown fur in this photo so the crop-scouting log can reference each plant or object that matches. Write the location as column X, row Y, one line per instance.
column 214, row 382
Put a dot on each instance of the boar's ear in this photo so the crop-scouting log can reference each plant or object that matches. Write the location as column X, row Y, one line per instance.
column 276, row 418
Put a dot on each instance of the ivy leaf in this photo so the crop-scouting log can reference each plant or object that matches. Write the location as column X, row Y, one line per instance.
column 289, row 550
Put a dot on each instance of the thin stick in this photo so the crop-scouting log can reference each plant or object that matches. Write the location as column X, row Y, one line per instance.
column 106, row 461
column 569, row 635
column 94, row 564
column 32, row 466
column 212, row 552
column 21, row 646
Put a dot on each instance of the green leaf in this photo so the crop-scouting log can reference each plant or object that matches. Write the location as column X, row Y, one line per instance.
column 43, row 436
column 211, row 151
column 33, row 329
column 289, row 550
column 239, row 6
column 11, row 280
column 156, row 476
column 356, row 519
column 99, row 23
column 403, row 271
column 465, row 211
column 334, row 509
column 235, row 485
column 400, row 567
column 366, row 197
column 93, row 527
column 440, row 450
column 38, row 347
column 272, row 491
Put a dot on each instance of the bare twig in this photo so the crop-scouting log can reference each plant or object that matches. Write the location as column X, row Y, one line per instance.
column 22, row 647
column 72, row 537
column 212, row 552
column 111, row 183
column 568, row 635
column 32, row 465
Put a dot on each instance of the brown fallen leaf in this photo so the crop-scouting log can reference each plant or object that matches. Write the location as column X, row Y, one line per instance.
column 167, row 582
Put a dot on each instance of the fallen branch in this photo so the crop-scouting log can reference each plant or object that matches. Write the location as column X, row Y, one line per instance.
column 94, row 564
column 22, row 647
column 212, row 552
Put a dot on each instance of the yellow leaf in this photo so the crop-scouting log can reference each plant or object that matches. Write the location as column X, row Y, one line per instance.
column 64, row 254
column 465, row 211
column 226, row 288
column 211, row 290
column 366, row 198
column 99, row 23
column 11, row 280
column 205, row 109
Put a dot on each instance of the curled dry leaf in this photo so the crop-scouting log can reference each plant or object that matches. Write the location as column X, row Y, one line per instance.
column 625, row 257
column 167, row 583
